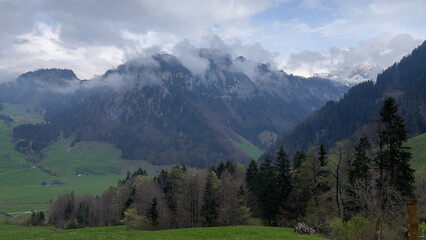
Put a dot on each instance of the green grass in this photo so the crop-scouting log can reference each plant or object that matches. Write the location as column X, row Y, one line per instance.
column 20, row 180
column 418, row 150
column 119, row 232
column 247, row 147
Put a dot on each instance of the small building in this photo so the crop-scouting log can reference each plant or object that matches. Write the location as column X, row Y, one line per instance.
column 6, row 156
column 56, row 183
column 43, row 183
column 86, row 173
column 78, row 175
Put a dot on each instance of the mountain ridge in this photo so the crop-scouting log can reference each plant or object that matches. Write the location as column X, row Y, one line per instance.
column 158, row 110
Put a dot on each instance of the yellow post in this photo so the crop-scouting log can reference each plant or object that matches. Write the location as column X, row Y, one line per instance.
column 413, row 221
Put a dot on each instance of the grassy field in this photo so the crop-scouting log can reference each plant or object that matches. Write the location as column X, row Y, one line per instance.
column 119, row 232
column 418, row 150
column 248, row 148
column 20, row 180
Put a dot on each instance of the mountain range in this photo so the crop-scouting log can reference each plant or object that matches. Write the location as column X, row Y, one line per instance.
column 161, row 110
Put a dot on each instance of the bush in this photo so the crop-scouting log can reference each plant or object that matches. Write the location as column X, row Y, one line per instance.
column 422, row 229
column 356, row 228
column 71, row 224
column 133, row 221
column 36, row 219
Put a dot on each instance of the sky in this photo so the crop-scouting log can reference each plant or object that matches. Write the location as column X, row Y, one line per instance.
column 303, row 37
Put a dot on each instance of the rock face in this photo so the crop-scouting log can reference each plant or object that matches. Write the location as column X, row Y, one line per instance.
column 157, row 109
column 302, row 228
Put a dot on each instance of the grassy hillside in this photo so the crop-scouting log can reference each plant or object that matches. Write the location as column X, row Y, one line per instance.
column 20, row 180
column 247, row 147
column 119, row 232
column 418, row 150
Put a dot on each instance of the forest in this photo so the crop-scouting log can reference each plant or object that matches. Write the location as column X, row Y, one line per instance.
column 352, row 116
column 350, row 192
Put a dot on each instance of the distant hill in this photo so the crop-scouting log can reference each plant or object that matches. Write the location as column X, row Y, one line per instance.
column 355, row 114
column 163, row 111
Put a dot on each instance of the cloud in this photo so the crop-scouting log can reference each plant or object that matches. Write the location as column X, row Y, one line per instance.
column 43, row 48
column 93, row 36
column 190, row 57
column 7, row 76
column 382, row 50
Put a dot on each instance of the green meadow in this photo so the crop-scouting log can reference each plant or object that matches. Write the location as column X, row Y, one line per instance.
column 99, row 164
column 418, row 150
column 119, row 232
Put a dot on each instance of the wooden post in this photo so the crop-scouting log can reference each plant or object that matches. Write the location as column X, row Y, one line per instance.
column 413, row 221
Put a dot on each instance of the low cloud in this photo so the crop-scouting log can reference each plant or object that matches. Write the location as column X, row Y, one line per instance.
column 382, row 51
column 190, row 57
column 7, row 76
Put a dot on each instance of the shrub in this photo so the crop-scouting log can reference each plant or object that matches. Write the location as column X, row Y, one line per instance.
column 356, row 228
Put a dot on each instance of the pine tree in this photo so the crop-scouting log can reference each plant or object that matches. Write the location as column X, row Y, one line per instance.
column 284, row 176
column 153, row 213
column 252, row 175
column 361, row 163
column 298, row 158
column 394, row 156
column 209, row 207
column 359, row 180
column 323, row 184
column 268, row 193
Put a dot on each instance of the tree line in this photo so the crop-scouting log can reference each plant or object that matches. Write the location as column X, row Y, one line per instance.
column 367, row 186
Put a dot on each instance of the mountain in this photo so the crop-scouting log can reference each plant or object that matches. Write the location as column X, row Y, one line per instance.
column 354, row 115
column 161, row 110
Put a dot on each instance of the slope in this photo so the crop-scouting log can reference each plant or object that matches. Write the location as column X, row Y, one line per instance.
column 418, row 150
column 355, row 114
column 20, row 179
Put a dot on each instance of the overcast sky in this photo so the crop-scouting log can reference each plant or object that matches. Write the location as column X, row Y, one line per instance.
column 301, row 37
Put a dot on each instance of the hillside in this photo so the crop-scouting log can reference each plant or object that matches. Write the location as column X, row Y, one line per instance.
column 418, row 150
column 160, row 110
column 223, row 233
column 20, row 179
column 355, row 114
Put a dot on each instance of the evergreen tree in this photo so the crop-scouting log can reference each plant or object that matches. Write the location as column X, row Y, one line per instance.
column 298, row 158
column 359, row 180
column 153, row 213
column 209, row 207
column 252, row 175
column 361, row 163
column 220, row 169
column 323, row 184
column 230, row 167
column 394, row 156
column 284, row 176
column 268, row 193
column 322, row 156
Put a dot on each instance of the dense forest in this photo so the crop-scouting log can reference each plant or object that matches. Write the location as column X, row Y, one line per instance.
column 354, row 115
column 33, row 139
column 358, row 193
